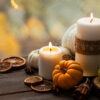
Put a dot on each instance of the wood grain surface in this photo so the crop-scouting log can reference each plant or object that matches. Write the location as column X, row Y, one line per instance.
column 12, row 88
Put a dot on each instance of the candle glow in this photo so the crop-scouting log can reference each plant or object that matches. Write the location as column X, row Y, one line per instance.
column 14, row 4
column 91, row 17
column 50, row 46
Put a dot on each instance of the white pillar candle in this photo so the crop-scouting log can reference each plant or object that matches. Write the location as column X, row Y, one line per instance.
column 88, row 44
column 48, row 58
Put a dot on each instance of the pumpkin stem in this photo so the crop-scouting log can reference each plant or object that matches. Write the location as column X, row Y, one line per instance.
column 63, row 70
column 87, row 80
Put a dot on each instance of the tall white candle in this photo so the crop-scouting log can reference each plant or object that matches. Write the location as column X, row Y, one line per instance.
column 48, row 58
column 88, row 44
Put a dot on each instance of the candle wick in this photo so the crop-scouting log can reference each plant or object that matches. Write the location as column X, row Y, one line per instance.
column 50, row 49
column 91, row 20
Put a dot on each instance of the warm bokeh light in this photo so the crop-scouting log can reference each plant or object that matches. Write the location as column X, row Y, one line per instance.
column 26, row 25
column 14, row 4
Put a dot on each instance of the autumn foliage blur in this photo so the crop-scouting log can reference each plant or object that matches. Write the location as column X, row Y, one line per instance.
column 33, row 23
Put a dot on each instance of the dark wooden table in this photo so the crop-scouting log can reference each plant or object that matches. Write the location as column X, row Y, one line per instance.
column 12, row 88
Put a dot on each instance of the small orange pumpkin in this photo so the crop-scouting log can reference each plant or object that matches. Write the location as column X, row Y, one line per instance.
column 67, row 74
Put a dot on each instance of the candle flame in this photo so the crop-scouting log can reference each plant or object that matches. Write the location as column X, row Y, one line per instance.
column 91, row 17
column 14, row 4
column 50, row 46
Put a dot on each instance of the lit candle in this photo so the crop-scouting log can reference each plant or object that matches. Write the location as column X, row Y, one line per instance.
column 87, row 44
column 16, row 13
column 48, row 58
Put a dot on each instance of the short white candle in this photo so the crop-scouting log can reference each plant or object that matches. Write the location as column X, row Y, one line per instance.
column 88, row 29
column 48, row 58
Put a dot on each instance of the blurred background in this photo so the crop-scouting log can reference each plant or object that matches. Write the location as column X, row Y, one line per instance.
column 26, row 25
